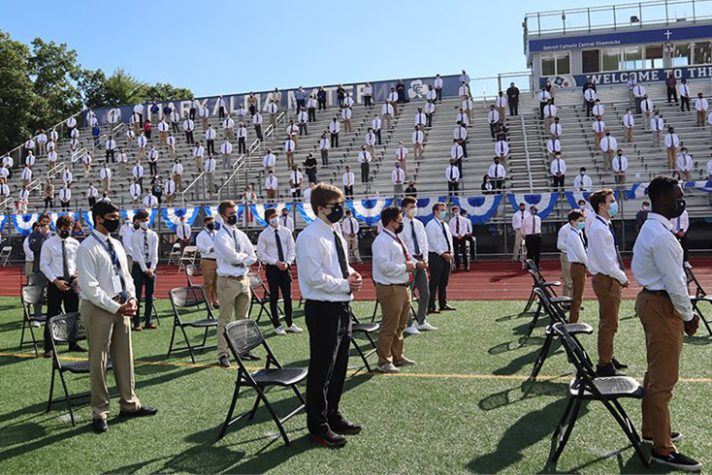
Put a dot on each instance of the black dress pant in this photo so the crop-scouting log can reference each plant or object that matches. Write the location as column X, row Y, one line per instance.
column 210, row 146
column 514, row 107
column 189, row 137
column 349, row 191
column 142, row 281
column 672, row 94
column 378, row 136
column 110, row 154
column 334, row 140
column 461, row 253
column 279, row 281
column 533, row 243
column 59, row 303
column 685, row 103
column 439, row 277
column 258, row 132
column 241, row 146
column 329, row 325
column 365, row 169
column 311, row 115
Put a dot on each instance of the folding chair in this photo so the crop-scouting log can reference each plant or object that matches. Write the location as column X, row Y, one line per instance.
column 191, row 270
column 5, row 253
column 365, row 329
column 189, row 302
column 242, row 337
column 541, row 283
column 174, row 255
column 256, row 284
column 556, row 317
column 64, row 328
column 31, row 295
column 187, row 257
column 699, row 296
column 584, row 387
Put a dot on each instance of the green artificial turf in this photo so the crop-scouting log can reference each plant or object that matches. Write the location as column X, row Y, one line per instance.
column 461, row 409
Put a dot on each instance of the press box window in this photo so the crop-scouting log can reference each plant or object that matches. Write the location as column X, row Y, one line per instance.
column 703, row 52
column 681, row 54
column 555, row 65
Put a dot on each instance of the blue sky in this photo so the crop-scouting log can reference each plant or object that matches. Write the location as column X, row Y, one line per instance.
column 222, row 46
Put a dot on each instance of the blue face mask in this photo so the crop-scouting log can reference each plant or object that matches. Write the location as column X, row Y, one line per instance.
column 442, row 214
column 613, row 211
column 581, row 226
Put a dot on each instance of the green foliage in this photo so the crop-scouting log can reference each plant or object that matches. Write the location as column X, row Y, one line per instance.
column 16, row 93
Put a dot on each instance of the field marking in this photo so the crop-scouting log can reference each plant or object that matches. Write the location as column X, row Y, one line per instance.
column 491, row 377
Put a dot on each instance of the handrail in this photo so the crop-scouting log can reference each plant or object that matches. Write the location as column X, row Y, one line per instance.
column 526, row 152
column 239, row 163
column 60, row 123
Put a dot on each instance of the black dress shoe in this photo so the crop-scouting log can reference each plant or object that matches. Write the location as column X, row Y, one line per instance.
column 48, row 354
column 433, row 311
column 329, row 439
column 250, row 357
column 607, row 370
column 99, row 425
column 143, row 412
column 77, row 348
column 447, row 308
column 342, row 426
column 618, row 364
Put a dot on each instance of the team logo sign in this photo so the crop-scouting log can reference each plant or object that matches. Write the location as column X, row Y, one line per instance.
column 418, row 89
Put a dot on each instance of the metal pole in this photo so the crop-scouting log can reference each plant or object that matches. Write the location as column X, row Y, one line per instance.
column 615, row 23
column 588, row 13
column 694, row 15
column 667, row 18
column 538, row 22
column 640, row 15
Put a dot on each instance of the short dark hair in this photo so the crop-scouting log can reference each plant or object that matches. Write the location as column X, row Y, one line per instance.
column 140, row 215
column 208, row 219
column 102, row 208
column 599, row 197
column 388, row 214
column 44, row 216
column 322, row 193
column 223, row 206
column 408, row 200
column 660, row 186
column 574, row 214
column 438, row 205
column 269, row 212
column 64, row 220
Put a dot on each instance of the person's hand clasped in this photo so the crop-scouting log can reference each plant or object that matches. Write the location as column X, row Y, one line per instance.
column 421, row 265
column 129, row 308
column 409, row 266
column 692, row 326
column 61, row 285
column 355, row 282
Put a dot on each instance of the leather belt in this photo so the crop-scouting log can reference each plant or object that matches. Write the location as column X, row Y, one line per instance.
column 234, row 277
column 207, row 258
column 397, row 285
column 659, row 293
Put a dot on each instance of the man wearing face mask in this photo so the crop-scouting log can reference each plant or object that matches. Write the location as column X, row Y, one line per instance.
column 440, row 257
column 392, row 266
column 575, row 245
column 58, row 264
column 327, row 284
column 205, row 242
column 642, row 215
column 663, row 306
column 531, row 228
column 517, row 220
column 275, row 249
column 235, row 254
column 35, row 242
column 606, row 265
column 561, row 237
column 108, row 300
column 144, row 244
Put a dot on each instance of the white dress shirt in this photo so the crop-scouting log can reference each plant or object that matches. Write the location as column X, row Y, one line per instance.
column 410, row 227
column 135, row 191
column 458, row 226
column 65, row 195
column 531, row 224
column 701, row 105
column 681, row 223
column 439, row 236
column 561, row 237
column 349, row 179
column 456, row 151
column 452, row 173
column 657, row 124
column 98, row 275
column 599, row 127
column 397, row 176
column 267, row 251
column 501, row 148
column 144, row 244
column 320, row 276
column 684, row 162
column 602, row 252
column 205, row 242
column 150, row 201
column 620, row 163
column 555, row 129
column 553, row 146
column 287, row 222
column 183, row 231
column 657, row 263
column 518, row 219
column 672, row 140
column 349, row 225
column 52, row 260
column 583, row 182
column 364, row 156
column 558, row 167
column 609, row 143
column 389, row 259
column 234, row 252
column 575, row 247
column 628, row 120
column 271, row 182
column 497, row 171
column 709, row 169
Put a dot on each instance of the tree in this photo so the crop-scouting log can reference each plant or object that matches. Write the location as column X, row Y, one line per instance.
column 93, row 87
column 122, row 88
column 166, row 92
column 16, row 93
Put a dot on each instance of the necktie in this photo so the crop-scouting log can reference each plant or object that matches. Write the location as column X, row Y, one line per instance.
column 65, row 265
column 145, row 248
column 341, row 255
column 447, row 241
column 280, row 252
column 284, row 220
column 558, row 166
column 496, row 175
column 351, row 226
column 452, row 173
column 457, row 225
column 416, row 245
column 405, row 251
column 117, row 269
column 678, row 224
column 234, row 238
column 619, row 163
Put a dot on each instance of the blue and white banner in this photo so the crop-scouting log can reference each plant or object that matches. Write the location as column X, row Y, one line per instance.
column 425, row 207
column 368, row 211
column 54, row 216
column 305, row 211
column 171, row 216
column 213, row 211
column 637, row 191
column 23, row 222
column 480, row 209
column 129, row 214
column 258, row 211
column 3, row 221
column 88, row 219
column 544, row 202
column 573, row 197
column 703, row 185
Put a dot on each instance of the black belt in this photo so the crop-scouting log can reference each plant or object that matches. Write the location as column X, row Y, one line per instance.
column 659, row 293
column 397, row 285
column 418, row 257
column 207, row 258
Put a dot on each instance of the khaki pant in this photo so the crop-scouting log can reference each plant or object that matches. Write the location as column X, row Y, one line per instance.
column 565, row 273
column 234, row 295
column 664, row 329
column 109, row 335
column 701, row 118
column 395, row 306
column 179, row 182
column 199, row 163
column 518, row 244
column 106, row 185
column 598, row 138
column 628, row 134
column 608, row 292
column 352, row 242
column 609, row 157
column 209, row 267
column 211, row 182
column 271, row 194
column 656, row 138
column 671, row 154
column 28, row 267
column 578, row 281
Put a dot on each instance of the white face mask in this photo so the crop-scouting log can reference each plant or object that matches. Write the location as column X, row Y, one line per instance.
column 274, row 221
column 411, row 212
column 143, row 225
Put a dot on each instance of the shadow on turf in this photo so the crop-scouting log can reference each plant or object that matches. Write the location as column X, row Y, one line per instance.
column 526, row 390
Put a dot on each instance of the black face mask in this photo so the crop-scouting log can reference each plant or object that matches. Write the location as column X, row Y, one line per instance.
column 399, row 229
column 136, row 226
column 210, row 226
column 337, row 212
column 231, row 220
column 111, row 225
column 63, row 233
column 680, row 206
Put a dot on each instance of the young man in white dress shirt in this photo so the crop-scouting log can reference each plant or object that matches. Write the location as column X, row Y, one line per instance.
column 517, row 221
column 286, row 220
column 350, row 229
column 583, row 182
column 144, row 244
column 561, row 238
column 531, row 228
column 440, row 257
column 458, row 230
column 183, row 232
column 575, row 245
column 205, row 242
column 235, row 254
column 275, row 249
column 619, row 164
column 392, row 268
column 663, row 306
column 327, row 284
column 609, row 278
column 416, row 242
column 108, row 301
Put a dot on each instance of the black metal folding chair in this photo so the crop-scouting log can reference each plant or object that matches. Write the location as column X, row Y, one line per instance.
column 541, row 283
column 191, row 270
column 242, row 337
column 256, row 284
column 364, row 329
column 187, row 303
column 555, row 317
column 64, row 328
column 698, row 296
column 584, row 387
column 31, row 295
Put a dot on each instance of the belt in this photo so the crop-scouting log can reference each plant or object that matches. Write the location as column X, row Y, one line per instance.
column 234, row 277
column 659, row 293
column 207, row 258
column 418, row 256
column 391, row 285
